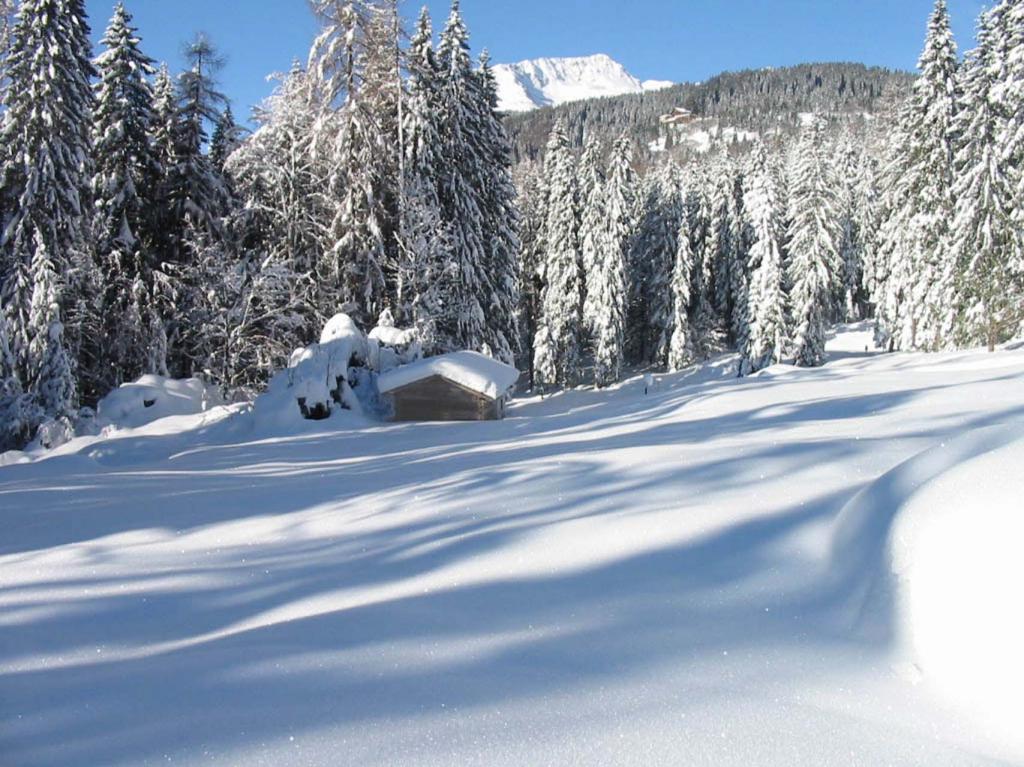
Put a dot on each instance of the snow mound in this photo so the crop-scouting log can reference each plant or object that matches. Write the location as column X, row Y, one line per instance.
column 392, row 336
column 938, row 539
column 473, row 370
column 321, row 379
column 153, row 397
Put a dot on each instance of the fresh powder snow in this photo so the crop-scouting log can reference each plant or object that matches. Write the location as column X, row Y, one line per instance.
column 808, row 566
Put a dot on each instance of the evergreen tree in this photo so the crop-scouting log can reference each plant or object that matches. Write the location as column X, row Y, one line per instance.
column 653, row 259
column 851, row 246
column 813, row 247
column 197, row 200
column 165, row 239
column 53, row 378
column 557, row 356
column 607, row 287
column 1010, row 99
column 425, row 251
column 226, row 138
column 195, row 190
column 698, row 219
column 986, row 238
column 46, row 174
column 500, row 220
column 593, row 229
column 916, row 234
column 738, row 270
column 718, row 256
column 532, row 204
column 469, row 287
column 768, row 301
column 7, row 12
column 353, row 274
column 10, row 386
column 127, row 171
column 681, row 351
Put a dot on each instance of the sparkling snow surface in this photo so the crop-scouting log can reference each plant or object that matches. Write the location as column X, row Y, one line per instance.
column 723, row 572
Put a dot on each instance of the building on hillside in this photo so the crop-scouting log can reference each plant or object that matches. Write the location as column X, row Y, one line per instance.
column 678, row 116
column 462, row 386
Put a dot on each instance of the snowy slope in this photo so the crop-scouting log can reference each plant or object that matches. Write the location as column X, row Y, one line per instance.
column 603, row 578
column 552, row 81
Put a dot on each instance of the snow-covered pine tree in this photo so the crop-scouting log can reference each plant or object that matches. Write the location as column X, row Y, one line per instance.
column 739, row 270
column 469, row 287
column 718, row 256
column 654, row 252
column 851, row 248
column 916, row 234
column 985, row 234
column 500, row 220
column 46, row 169
column 52, row 377
column 163, row 137
column 56, row 393
column 127, row 172
column 10, row 385
column 352, row 276
column 7, row 11
column 1010, row 97
column 197, row 199
column 607, row 286
column 698, row 215
column 424, row 250
column 19, row 413
column 382, row 91
column 768, row 300
column 813, row 246
column 226, row 138
column 196, row 190
column 681, row 352
column 557, row 355
column 532, row 204
column 593, row 228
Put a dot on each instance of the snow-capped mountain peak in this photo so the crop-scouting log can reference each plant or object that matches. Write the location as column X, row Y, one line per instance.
column 552, row 81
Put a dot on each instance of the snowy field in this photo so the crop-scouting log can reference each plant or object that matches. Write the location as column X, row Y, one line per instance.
column 807, row 567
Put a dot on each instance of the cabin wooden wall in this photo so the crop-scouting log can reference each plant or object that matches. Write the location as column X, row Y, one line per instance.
column 438, row 399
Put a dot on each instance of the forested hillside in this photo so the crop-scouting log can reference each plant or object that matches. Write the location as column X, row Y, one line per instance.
column 759, row 100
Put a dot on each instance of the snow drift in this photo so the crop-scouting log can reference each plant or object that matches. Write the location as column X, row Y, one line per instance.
column 938, row 540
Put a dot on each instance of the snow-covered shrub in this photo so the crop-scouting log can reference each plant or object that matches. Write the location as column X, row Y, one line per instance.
column 323, row 378
column 390, row 347
column 20, row 416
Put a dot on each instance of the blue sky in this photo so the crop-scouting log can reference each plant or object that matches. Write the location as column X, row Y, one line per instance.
column 655, row 39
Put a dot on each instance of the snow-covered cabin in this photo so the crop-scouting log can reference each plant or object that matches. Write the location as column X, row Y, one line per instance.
column 462, row 386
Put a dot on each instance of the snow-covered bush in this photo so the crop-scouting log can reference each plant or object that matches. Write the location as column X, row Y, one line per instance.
column 323, row 378
column 390, row 347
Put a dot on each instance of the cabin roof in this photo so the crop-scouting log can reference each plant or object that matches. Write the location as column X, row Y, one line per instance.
column 472, row 370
